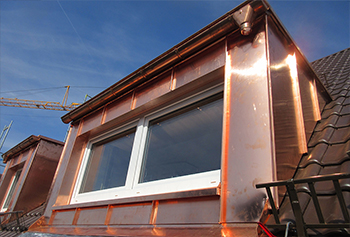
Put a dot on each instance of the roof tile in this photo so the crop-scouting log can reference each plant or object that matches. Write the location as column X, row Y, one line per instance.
column 341, row 135
column 315, row 156
column 323, row 136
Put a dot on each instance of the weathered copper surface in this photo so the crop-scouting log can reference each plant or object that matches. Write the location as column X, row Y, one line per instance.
column 250, row 149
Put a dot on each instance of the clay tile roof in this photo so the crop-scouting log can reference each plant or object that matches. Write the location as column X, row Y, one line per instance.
column 328, row 148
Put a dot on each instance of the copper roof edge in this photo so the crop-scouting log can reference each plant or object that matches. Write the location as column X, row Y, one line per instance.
column 25, row 144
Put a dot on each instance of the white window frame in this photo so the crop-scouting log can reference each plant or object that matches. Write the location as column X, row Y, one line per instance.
column 133, row 188
column 12, row 186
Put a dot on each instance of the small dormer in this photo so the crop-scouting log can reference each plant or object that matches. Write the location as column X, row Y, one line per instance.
column 26, row 181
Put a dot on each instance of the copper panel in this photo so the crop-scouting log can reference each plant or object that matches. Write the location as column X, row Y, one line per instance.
column 227, row 230
column 49, row 150
column 134, row 214
column 309, row 99
column 26, row 154
column 62, row 217
column 38, row 181
column 56, row 195
column 288, row 119
column 143, row 199
column 91, row 121
column 117, row 108
column 189, row 211
column 250, row 142
column 92, row 216
column 152, row 90
column 204, row 63
column 15, row 160
column 69, row 174
column 22, row 157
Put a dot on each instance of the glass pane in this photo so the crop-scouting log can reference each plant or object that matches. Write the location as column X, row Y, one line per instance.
column 185, row 142
column 108, row 163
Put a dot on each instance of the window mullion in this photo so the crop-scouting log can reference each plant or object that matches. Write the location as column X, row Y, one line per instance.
column 136, row 155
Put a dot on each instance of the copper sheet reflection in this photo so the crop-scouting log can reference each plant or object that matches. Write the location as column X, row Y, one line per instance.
column 315, row 104
column 226, row 135
column 157, row 231
column 292, row 64
column 226, row 231
column 257, row 69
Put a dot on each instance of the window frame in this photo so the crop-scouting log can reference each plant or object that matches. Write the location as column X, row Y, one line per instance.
column 133, row 188
column 11, row 190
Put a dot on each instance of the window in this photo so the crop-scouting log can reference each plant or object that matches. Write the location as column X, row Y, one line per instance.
column 11, row 190
column 174, row 149
column 108, row 163
column 185, row 142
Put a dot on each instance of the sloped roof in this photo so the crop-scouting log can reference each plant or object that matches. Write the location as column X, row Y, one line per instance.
column 329, row 145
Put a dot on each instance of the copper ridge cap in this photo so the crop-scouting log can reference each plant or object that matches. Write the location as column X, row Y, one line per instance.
column 25, row 144
column 194, row 43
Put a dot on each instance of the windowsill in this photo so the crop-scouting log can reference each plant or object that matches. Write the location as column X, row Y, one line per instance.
column 164, row 196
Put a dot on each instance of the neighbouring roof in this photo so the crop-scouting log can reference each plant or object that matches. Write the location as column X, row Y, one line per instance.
column 25, row 144
column 329, row 145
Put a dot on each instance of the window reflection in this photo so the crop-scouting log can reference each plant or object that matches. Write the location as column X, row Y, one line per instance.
column 185, row 142
column 108, row 163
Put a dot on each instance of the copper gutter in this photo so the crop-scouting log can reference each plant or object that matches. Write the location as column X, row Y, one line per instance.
column 170, row 58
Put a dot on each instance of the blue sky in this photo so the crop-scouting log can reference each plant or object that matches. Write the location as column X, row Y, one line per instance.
column 90, row 45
